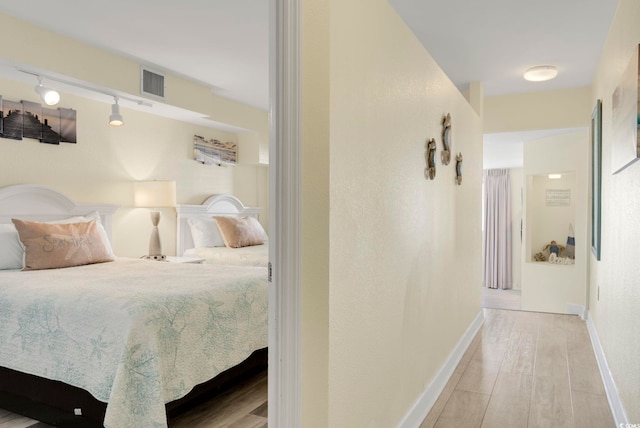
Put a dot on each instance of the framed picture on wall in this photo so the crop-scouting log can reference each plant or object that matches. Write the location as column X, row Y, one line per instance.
column 596, row 177
column 625, row 145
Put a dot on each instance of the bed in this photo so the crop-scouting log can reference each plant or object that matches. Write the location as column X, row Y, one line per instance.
column 198, row 235
column 127, row 339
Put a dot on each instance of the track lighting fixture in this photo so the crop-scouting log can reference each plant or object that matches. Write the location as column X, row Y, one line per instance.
column 48, row 95
column 116, row 118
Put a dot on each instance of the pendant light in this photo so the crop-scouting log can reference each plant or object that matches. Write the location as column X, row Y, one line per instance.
column 116, row 118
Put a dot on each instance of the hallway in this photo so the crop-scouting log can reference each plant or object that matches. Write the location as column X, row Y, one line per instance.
column 525, row 369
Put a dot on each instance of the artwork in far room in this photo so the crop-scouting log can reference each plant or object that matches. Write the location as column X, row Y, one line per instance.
column 625, row 144
column 11, row 120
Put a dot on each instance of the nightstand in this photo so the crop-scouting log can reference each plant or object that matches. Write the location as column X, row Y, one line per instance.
column 174, row 259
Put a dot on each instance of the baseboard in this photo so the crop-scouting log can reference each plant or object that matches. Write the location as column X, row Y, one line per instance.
column 617, row 409
column 579, row 310
column 427, row 399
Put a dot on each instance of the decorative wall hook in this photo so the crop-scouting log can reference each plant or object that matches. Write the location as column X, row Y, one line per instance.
column 459, row 169
column 445, row 156
column 430, row 170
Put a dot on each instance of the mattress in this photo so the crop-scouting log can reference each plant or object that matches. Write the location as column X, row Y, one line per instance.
column 134, row 333
column 255, row 255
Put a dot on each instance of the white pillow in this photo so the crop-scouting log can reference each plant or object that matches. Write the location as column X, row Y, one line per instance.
column 205, row 233
column 255, row 223
column 11, row 249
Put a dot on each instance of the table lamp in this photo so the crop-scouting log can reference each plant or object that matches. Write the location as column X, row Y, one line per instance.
column 155, row 194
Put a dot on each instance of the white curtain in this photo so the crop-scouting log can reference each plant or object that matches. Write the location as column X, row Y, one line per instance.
column 497, row 229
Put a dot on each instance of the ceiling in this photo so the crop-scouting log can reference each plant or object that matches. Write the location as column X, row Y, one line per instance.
column 224, row 43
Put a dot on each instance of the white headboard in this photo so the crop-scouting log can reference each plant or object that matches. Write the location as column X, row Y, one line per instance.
column 41, row 203
column 215, row 205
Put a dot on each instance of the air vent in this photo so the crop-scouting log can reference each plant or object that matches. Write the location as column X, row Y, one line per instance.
column 152, row 83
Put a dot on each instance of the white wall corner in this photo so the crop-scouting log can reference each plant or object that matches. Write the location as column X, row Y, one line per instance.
column 617, row 409
column 427, row 399
column 579, row 310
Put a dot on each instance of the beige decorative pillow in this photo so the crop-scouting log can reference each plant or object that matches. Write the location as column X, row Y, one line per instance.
column 239, row 232
column 49, row 246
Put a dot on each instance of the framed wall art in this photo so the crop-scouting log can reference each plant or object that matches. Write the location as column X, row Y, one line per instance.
column 596, row 177
column 625, row 148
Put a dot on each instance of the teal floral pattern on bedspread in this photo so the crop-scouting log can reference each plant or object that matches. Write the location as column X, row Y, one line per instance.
column 134, row 333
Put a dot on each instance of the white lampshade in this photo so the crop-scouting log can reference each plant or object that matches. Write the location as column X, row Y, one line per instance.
column 155, row 194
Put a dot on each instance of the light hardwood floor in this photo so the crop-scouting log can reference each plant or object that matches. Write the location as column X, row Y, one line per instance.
column 525, row 369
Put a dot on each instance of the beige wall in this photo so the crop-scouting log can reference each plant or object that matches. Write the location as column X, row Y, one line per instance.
column 102, row 167
column 315, row 212
column 404, row 252
column 559, row 109
column 615, row 314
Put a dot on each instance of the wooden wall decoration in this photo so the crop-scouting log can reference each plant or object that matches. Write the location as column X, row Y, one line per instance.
column 445, row 156
column 430, row 170
column 213, row 152
column 459, row 169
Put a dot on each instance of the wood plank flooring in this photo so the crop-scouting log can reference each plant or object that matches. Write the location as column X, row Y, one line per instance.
column 525, row 369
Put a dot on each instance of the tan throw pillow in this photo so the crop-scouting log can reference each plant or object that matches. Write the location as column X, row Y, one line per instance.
column 239, row 232
column 49, row 246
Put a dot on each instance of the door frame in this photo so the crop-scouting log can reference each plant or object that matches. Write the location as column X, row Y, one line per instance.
column 285, row 201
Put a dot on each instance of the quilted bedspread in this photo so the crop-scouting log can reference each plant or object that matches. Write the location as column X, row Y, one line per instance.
column 255, row 255
column 134, row 333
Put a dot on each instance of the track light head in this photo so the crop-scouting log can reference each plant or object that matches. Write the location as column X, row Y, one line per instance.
column 116, row 118
column 48, row 95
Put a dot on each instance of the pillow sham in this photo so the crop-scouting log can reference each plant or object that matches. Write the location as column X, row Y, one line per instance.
column 58, row 245
column 11, row 249
column 239, row 232
column 255, row 223
column 205, row 233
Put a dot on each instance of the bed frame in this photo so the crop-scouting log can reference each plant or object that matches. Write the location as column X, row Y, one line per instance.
column 215, row 205
column 54, row 402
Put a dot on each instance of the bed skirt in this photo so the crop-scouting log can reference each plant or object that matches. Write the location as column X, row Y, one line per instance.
column 53, row 402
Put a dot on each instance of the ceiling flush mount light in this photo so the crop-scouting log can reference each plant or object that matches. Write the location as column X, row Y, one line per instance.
column 541, row 73
column 48, row 95
column 555, row 176
column 116, row 118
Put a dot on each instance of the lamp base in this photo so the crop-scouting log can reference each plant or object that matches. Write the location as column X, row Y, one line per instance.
column 160, row 258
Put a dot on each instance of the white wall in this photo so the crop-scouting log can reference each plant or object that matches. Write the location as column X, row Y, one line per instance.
column 404, row 252
column 615, row 313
